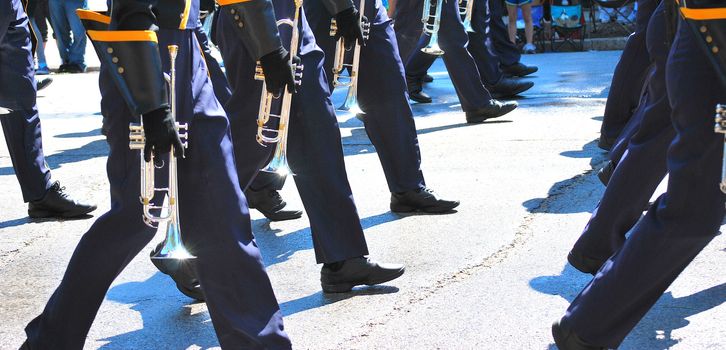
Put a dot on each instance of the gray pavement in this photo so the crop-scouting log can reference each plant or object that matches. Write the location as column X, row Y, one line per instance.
column 491, row 276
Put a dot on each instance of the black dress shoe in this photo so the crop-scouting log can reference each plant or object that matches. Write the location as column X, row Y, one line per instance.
column 427, row 78
column 74, row 68
column 183, row 272
column 584, row 263
column 271, row 205
column 356, row 272
column 42, row 84
column 57, row 203
column 568, row 340
column 519, row 70
column 493, row 110
column 424, row 200
column 415, row 90
column 509, row 87
column 63, row 68
column 606, row 173
column 25, row 346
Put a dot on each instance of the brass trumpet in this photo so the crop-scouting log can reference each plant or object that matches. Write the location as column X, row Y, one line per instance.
column 339, row 64
column 278, row 164
column 720, row 127
column 431, row 25
column 466, row 9
column 173, row 247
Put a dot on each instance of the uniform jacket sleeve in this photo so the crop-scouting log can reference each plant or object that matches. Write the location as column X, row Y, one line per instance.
column 256, row 24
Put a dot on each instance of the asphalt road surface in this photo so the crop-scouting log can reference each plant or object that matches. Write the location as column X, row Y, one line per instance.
column 493, row 275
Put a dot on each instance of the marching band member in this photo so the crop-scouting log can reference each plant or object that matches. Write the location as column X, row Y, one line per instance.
column 506, row 51
column 314, row 147
column 683, row 220
column 213, row 213
column 21, row 123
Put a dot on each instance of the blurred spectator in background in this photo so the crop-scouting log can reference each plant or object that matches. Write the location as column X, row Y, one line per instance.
column 38, row 14
column 526, row 6
column 64, row 20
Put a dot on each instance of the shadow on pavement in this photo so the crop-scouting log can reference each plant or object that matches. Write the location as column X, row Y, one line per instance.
column 540, row 205
column 29, row 220
column 319, row 299
column 655, row 330
column 90, row 133
column 93, row 149
column 167, row 322
column 276, row 249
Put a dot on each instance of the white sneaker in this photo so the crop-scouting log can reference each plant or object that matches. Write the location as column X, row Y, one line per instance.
column 529, row 48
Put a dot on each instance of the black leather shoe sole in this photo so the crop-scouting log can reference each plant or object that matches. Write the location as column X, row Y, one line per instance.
column 283, row 215
column 583, row 263
column 345, row 287
column 475, row 118
column 419, row 98
column 520, row 89
column 43, row 213
column 437, row 209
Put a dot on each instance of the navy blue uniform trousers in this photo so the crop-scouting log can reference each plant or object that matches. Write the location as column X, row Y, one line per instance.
column 680, row 223
column 315, row 150
column 223, row 93
column 382, row 94
column 214, row 221
column 629, row 75
column 643, row 164
column 17, row 92
column 453, row 39
column 506, row 50
column 481, row 45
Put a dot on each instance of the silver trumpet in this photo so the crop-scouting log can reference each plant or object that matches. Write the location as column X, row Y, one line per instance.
column 721, row 128
column 431, row 25
column 466, row 9
column 339, row 63
column 279, row 164
column 169, row 213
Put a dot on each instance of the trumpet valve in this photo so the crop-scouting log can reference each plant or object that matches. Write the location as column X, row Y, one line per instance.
column 259, row 73
column 136, row 136
column 298, row 69
column 333, row 27
column 720, row 119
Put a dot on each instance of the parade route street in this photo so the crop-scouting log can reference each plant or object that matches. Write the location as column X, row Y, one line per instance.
column 493, row 275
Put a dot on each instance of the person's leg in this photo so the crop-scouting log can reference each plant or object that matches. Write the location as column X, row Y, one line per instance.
column 512, row 25
column 314, row 145
column 215, row 221
column 40, row 50
column 507, row 51
column 61, row 28
column 528, row 27
column 388, row 117
column 680, row 223
column 481, row 46
column 628, row 79
column 17, row 92
column 77, row 49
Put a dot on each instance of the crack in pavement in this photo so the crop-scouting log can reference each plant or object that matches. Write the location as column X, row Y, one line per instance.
column 521, row 237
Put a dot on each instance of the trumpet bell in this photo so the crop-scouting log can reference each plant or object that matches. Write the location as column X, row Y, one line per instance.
column 351, row 105
column 433, row 47
column 173, row 247
column 278, row 165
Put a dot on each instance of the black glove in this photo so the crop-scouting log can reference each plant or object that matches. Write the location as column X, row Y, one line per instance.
column 278, row 71
column 349, row 26
column 160, row 132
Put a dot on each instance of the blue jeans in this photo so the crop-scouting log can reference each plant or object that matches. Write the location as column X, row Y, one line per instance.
column 65, row 21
